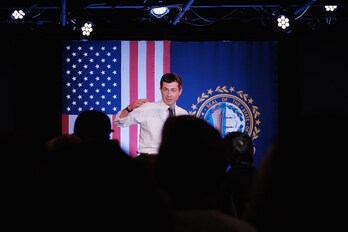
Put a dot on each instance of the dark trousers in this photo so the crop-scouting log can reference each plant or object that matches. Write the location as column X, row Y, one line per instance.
column 147, row 162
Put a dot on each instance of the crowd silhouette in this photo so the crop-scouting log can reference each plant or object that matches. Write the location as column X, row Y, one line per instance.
column 199, row 182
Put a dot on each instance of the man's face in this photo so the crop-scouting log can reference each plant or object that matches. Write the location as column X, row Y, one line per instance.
column 170, row 92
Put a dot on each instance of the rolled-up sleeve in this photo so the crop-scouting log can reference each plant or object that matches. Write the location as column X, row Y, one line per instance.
column 126, row 121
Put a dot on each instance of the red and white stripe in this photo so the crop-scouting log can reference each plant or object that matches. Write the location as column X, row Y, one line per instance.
column 142, row 65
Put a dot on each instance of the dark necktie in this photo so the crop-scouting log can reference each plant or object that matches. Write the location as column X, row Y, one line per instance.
column 171, row 112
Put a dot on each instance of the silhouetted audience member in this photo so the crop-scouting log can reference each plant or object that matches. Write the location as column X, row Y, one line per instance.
column 240, row 175
column 299, row 185
column 264, row 209
column 190, row 169
column 88, row 182
column 93, row 124
column 94, row 185
column 62, row 142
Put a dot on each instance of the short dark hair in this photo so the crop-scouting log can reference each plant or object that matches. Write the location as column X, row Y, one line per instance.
column 171, row 77
column 93, row 124
column 240, row 148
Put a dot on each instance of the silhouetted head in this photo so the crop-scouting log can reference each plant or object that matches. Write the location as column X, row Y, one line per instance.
column 93, row 124
column 191, row 160
column 240, row 148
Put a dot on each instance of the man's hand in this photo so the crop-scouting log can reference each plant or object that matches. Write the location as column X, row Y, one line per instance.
column 132, row 106
column 136, row 104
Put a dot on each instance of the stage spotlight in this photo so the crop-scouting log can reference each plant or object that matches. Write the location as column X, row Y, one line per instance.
column 330, row 13
column 330, row 8
column 18, row 14
column 159, row 12
column 283, row 23
column 87, row 29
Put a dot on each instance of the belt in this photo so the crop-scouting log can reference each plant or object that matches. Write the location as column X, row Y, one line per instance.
column 148, row 154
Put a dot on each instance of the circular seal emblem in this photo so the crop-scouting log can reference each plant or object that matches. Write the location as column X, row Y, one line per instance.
column 228, row 110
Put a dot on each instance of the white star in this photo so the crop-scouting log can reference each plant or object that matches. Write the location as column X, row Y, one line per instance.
column 67, row 47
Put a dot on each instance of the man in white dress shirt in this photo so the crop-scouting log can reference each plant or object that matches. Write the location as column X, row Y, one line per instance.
column 152, row 115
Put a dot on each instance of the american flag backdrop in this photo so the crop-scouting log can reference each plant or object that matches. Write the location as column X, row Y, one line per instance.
column 95, row 78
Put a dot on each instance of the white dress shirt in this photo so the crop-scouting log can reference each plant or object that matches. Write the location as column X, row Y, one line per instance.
column 151, row 117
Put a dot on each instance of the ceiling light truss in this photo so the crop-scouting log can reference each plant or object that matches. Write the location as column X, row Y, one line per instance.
column 190, row 11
